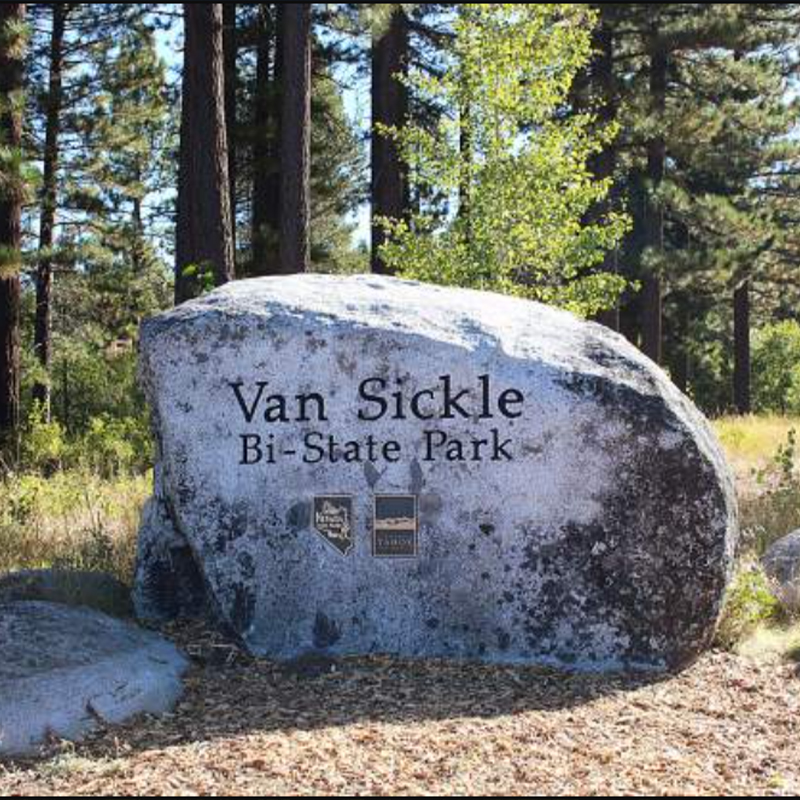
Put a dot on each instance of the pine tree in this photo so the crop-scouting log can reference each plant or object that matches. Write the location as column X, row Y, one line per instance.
column 204, row 243
column 12, row 38
column 125, row 168
column 230, row 46
column 336, row 155
column 44, row 277
column 96, row 121
column 594, row 91
column 658, row 64
column 701, row 98
column 741, row 348
column 390, row 106
column 265, row 131
column 295, row 139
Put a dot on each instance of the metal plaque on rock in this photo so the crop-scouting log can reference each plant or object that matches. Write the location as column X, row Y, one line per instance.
column 395, row 526
column 333, row 521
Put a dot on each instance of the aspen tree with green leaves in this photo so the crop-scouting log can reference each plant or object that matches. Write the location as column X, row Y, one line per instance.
column 517, row 162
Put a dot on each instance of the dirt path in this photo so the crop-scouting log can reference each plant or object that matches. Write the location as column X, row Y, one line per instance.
column 725, row 726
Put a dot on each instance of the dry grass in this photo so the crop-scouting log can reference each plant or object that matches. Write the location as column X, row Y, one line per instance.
column 750, row 442
column 72, row 519
column 768, row 502
column 772, row 643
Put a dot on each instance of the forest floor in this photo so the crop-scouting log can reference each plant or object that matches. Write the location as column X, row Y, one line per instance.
column 729, row 724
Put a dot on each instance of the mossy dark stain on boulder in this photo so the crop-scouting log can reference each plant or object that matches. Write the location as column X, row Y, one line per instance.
column 326, row 632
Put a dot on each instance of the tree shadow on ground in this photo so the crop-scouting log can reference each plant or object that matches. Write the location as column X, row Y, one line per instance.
column 229, row 694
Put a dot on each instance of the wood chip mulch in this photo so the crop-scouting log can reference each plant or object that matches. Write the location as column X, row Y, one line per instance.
column 726, row 725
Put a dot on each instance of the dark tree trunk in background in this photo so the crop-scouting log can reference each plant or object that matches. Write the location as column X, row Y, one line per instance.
column 680, row 376
column 230, row 48
column 295, row 147
column 266, row 219
column 389, row 107
column 679, row 367
column 465, row 148
column 138, row 254
column 656, row 156
column 742, row 397
column 204, row 226
column 11, row 84
column 604, row 164
column 741, row 336
column 44, row 275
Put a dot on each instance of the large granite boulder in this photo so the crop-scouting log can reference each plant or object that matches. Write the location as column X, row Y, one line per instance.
column 360, row 464
column 65, row 670
column 782, row 565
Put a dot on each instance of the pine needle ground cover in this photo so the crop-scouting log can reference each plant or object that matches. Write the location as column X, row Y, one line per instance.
column 728, row 725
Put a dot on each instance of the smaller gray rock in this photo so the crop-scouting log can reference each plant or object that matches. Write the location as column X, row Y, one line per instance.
column 782, row 565
column 96, row 590
column 65, row 670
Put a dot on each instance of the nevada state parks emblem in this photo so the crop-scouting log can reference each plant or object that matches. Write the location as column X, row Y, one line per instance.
column 333, row 521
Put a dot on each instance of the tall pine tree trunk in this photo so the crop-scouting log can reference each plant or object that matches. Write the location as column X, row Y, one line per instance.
column 204, row 226
column 679, row 358
column 12, row 17
column 741, row 347
column 604, row 164
column 656, row 157
column 138, row 251
column 389, row 107
column 465, row 148
column 230, row 47
column 741, row 335
column 44, row 275
column 295, row 147
column 266, row 219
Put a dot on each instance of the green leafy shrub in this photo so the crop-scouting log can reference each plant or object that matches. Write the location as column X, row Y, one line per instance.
column 749, row 604
column 99, row 419
column 113, row 446
column 43, row 443
column 110, row 446
column 776, row 368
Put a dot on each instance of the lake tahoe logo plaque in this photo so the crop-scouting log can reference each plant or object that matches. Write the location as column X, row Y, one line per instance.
column 395, row 526
column 333, row 521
